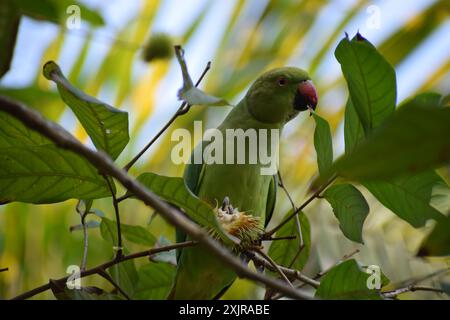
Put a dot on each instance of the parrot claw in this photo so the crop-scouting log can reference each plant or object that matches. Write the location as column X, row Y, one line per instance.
column 226, row 206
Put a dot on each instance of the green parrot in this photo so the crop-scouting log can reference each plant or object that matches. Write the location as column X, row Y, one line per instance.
column 273, row 99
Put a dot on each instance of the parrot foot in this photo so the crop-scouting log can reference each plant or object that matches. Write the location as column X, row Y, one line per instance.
column 239, row 224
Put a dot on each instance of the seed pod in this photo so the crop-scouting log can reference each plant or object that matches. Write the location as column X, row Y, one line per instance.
column 158, row 46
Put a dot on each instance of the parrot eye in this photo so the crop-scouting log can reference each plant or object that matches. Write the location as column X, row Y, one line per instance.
column 282, row 81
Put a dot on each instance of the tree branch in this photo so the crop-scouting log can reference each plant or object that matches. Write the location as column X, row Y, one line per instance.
column 182, row 109
column 290, row 273
column 117, row 214
column 106, row 166
column 102, row 267
column 83, row 214
column 274, row 265
column 394, row 293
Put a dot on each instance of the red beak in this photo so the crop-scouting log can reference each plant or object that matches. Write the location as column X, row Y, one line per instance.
column 308, row 92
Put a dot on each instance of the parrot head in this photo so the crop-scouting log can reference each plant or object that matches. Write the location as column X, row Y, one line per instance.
column 280, row 94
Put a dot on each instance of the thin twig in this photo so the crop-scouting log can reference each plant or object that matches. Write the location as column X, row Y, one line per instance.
column 274, row 265
column 117, row 214
column 301, row 244
column 344, row 258
column 105, row 266
column 83, row 214
column 290, row 273
column 182, row 109
column 280, row 238
column 102, row 162
column 394, row 293
column 4, row 269
column 325, row 271
column 105, row 275
column 308, row 201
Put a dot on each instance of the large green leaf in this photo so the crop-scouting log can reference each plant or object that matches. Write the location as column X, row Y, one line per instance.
column 370, row 78
column 284, row 251
column 415, row 138
column 350, row 208
column 437, row 243
column 353, row 130
column 33, row 169
column 174, row 190
column 323, row 145
column 9, row 25
column 106, row 126
column 408, row 196
column 346, row 281
column 46, row 102
column 155, row 281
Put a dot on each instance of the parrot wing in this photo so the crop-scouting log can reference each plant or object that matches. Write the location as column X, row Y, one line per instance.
column 271, row 199
column 193, row 175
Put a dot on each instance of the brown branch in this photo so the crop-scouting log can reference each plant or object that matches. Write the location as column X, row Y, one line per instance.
column 290, row 273
column 106, row 166
column 102, row 267
column 274, row 265
column 280, row 238
column 117, row 214
column 4, row 269
column 182, row 109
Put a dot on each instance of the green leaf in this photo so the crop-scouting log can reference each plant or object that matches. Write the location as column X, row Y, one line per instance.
column 165, row 256
column 414, row 139
column 56, row 11
column 284, row 251
column 437, row 243
column 46, row 102
column 9, row 25
column 353, row 130
column 174, row 190
column 350, row 208
column 426, row 99
column 346, row 281
column 105, row 125
column 135, row 234
column 155, row 281
column 323, row 145
column 189, row 93
column 34, row 170
column 91, row 224
column 370, row 78
column 84, row 293
column 408, row 196
column 125, row 273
